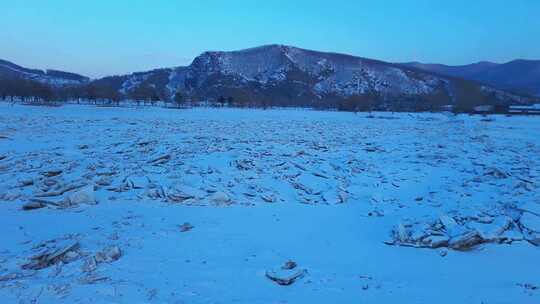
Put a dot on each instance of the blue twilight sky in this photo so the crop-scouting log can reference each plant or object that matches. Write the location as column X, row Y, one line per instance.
column 103, row 37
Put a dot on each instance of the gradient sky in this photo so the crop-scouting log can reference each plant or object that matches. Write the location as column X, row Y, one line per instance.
column 104, row 37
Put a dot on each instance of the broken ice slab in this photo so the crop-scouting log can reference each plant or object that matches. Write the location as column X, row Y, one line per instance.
column 52, row 255
column 287, row 274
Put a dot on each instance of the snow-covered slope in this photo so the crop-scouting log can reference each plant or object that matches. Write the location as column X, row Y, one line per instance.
column 53, row 78
column 293, row 76
column 164, row 81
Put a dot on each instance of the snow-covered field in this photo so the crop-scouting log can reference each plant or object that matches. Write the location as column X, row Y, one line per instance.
column 205, row 205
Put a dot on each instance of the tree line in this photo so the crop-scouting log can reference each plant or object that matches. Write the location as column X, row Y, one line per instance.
column 25, row 91
column 106, row 92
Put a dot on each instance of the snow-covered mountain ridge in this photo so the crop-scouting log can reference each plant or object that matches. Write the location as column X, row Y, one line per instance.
column 280, row 75
column 516, row 75
column 288, row 75
column 53, row 78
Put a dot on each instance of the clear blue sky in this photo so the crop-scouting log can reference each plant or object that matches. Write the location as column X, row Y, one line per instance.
column 103, row 37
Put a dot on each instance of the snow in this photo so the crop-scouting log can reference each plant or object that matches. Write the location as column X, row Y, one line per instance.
column 257, row 189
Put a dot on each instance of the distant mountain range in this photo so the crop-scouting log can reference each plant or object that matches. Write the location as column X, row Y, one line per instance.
column 53, row 78
column 289, row 76
column 521, row 76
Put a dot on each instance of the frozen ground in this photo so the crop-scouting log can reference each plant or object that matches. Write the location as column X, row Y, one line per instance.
column 196, row 206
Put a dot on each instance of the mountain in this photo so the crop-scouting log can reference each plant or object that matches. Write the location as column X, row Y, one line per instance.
column 54, row 78
column 287, row 74
column 280, row 75
column 521, row 76
column 284, row 75
column 462, row 71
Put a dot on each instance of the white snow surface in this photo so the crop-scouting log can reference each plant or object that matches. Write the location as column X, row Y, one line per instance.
column 323, row 189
